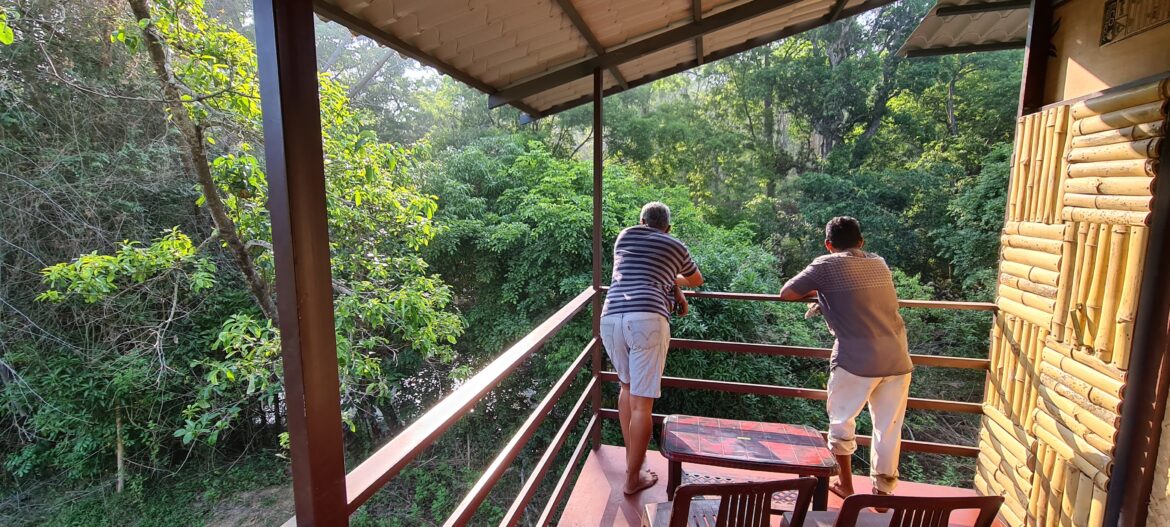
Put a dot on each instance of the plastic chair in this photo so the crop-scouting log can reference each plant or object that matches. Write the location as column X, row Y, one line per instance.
column 904, row 511
column 737, row 505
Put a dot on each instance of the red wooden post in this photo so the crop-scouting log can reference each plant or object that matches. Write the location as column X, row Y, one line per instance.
column 1036, row 57
column 286, row 53
column 598, row 85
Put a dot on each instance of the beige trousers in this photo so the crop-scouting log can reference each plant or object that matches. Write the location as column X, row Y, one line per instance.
column 886, row 396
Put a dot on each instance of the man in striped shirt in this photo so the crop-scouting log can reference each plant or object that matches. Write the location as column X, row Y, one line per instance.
column 648, row 264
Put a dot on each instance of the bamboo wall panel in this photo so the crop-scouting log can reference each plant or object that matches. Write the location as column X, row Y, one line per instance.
column 1071, row 262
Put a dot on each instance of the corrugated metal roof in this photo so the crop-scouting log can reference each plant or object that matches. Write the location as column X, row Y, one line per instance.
column 538, row 55
column 963, row 26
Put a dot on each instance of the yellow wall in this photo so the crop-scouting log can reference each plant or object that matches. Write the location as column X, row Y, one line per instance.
column 1082, row 66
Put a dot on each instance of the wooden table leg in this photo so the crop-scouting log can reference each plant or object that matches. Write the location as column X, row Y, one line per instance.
column 673, row 478
column 821, row 495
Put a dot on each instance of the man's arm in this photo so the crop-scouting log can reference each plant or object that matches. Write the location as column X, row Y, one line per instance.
column 694, row 279
column 803, row 285
column 790, row 293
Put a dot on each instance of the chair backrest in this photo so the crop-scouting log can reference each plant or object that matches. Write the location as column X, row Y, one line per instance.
column 743, row 504
column 914, row 511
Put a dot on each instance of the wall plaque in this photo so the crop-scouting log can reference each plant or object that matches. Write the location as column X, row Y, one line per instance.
column 1126, row 18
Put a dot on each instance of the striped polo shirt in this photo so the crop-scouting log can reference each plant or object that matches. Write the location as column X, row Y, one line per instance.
column 645, row 262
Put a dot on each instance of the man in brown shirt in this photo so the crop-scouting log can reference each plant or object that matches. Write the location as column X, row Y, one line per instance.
column 870, row 361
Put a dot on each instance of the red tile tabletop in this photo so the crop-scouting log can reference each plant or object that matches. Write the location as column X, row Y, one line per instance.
column 774, row 447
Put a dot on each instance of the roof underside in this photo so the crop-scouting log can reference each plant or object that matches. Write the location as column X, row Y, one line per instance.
column 964, row 26
column 539, row 55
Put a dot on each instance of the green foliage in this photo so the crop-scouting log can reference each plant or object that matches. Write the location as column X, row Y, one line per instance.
column 7, row 35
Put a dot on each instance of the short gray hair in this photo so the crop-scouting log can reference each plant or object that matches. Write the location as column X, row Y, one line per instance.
column 656, row 214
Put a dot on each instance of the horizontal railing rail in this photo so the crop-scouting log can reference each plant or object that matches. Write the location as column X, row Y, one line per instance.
column 916, row 403
column 941, row 361
column 369, row 476
column 927, row 304
column 386, row 463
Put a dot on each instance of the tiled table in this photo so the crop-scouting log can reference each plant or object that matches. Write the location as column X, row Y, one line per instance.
column 769, row 447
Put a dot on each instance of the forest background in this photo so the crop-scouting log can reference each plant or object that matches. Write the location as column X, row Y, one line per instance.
column 140, row 380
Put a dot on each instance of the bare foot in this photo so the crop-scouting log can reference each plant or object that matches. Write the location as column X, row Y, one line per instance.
column 840, row 490
column 646, row 479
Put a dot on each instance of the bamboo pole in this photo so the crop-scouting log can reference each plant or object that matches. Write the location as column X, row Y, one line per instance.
column 1069, row 254
column 1122, row 135
column 1059, row 436
column 1028, row 299
column 1118, row 153
column 1058, row 405
column 1097, row 507
column 1121, row 186
column 1084, row 499
column 1046, row 163
column 1092, row 201
column 1034, row 230
column 1076, row 316
column 1050, row 262
column 1020, row 172
column 1090, row 361
column 1127, row 305
column 1118, row 243
column 1055, row 482
column 1125, row 167
column 1097, row 441
column 1062, row 171
column 1143, row 113
column 1108, row 217
column 1038, row 498
column 1068, row 502
column 1007, row 434
column 1097, row 285
column 1040, row 168
column 1119, row 100
column 1088, row 279
column 1023, row 284
column 1055, row 378
column 1093, row 377
column 1035, row 154
column 1032, row 244
column 1031, row 314
column 1016, row 162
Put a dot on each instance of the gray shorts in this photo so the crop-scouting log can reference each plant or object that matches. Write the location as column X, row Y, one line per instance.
column 637, row 344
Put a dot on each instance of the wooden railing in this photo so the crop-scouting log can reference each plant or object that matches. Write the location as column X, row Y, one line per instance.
column 369, row 476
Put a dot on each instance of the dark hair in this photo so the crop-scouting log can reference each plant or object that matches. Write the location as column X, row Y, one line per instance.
column 656, row 214
column 844, row 232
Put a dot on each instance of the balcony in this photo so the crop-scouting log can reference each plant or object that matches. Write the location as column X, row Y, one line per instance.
column 593, row 493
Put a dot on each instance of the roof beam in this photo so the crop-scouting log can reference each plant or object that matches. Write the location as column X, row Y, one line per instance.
column 629, row 52
column 794, row 29
column 697, row 16
column 583, row 28
column 988, row 7
column 969, row 48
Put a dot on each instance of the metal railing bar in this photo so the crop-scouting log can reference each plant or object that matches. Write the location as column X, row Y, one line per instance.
column 563, row 483
column 925, row 447
column 799, row 393
column 369, row 476
column 819, row 353
column 546, row 459
column 927, row 304
column 474, row 497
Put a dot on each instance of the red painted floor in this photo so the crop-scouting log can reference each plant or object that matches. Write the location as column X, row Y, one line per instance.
column 597, row 500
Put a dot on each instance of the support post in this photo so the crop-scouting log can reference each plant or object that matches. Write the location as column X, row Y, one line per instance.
column 598, row 86
column 1036, row 57
column 286, row 54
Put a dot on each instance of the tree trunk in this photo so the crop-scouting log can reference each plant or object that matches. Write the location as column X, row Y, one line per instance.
column 335, row 56
column 119, row 450
column 365, row 80
column 952, row 124
column 195, row 157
